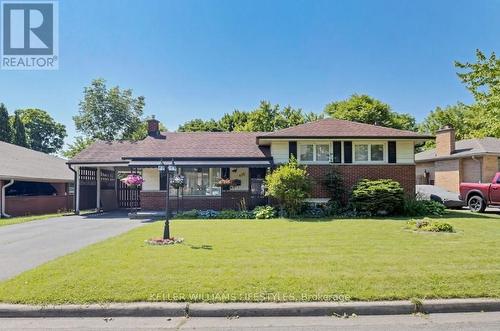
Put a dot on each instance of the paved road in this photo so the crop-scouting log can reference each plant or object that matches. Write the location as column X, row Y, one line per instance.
column 442, row 322
column 27, row 245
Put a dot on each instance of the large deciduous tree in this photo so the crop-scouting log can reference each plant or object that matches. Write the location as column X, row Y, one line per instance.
column 42, row 132
column 5, row 129
column 109, row 114
column 482, row 79
column 365, row 109
column 481, row 119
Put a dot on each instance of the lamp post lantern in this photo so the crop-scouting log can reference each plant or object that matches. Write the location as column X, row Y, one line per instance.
column 170, row 169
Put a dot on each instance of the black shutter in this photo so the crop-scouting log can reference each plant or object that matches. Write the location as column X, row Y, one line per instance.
column 337, row 152
column 392, row 151
column 225, row 173
column 347, row 151
column 292, row 149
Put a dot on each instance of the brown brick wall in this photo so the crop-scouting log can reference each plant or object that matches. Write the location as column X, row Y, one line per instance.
column 37, row 205
column 351, row 174
column 447, row 174
column 229, row 200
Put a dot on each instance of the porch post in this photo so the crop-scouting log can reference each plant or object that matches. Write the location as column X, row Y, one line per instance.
column 98, row 188
column 77, row 191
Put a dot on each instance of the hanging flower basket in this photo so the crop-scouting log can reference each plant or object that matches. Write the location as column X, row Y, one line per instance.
column 177, row 181
column 224, row 183
column 133, row 180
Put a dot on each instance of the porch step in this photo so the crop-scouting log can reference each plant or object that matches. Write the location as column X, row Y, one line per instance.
column 147, row 215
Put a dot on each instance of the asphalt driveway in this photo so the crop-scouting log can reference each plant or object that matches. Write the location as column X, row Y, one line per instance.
column 27, row 245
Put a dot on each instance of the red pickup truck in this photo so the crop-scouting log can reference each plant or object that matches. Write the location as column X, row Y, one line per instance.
column 479, row 196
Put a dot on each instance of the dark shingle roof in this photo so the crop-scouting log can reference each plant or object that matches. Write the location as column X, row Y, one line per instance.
column 178, row 145
column 333, row 128
column 464, row 148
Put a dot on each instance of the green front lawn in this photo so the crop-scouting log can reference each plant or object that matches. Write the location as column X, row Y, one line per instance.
column 275, row 260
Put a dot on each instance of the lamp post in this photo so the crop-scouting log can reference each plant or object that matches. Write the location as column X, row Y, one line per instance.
column 170, row 169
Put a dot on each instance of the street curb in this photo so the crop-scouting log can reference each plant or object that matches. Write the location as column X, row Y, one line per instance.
column 140, row 309
column 167, row 309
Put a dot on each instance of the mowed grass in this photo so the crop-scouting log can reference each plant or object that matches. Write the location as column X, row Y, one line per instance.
column 274, row 260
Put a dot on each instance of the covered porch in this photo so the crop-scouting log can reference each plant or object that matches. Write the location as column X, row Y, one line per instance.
column 99, row 187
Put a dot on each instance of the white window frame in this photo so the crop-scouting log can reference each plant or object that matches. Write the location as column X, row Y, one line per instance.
column 369, row 143
column 314, row 143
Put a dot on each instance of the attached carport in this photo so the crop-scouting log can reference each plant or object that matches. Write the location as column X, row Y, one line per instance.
column 97, row 187
column 32, row 182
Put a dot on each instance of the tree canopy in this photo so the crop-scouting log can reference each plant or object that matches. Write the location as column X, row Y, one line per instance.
column 366, row 109
column 265, row 118
column 19, row 133
column 42, row 132
column 108, row 114
column 480, row 119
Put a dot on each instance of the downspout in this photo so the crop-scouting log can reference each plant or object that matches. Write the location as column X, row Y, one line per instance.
column 74, row 185
column 480, row 168
column 3, row 198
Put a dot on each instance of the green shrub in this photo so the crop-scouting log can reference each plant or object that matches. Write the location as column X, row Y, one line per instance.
column 264, row 212
column 414, row 207
column 377, row 197
column 190, row 214
column 228, row 214
column 429, row 226
column 246, row 214
column 290, row 185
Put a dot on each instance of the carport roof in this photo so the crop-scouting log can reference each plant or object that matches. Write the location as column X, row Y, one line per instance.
column 24, row 164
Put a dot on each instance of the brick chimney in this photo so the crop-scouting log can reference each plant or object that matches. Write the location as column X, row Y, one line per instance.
column 445, row 141
column 153, row 127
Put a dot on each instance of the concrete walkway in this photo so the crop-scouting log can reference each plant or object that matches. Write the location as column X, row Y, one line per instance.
column 27, row 245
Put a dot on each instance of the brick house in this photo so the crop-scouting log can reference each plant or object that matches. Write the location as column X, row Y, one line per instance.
column 453, row 162
column 203, row 158
column 32, row 182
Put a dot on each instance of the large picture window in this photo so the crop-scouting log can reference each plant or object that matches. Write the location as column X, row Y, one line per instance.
column 314, row 152
column 197, row 182
column 201, row 181
column 369, row 152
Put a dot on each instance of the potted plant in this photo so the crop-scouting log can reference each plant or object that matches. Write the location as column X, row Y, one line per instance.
column 224, row 183
column 177, row 182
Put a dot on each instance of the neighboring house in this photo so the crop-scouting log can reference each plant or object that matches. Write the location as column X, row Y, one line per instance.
column 452, row 162
column 359, row 151
column 32, row 182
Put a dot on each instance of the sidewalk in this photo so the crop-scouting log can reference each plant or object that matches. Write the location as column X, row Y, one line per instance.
column 145, row 309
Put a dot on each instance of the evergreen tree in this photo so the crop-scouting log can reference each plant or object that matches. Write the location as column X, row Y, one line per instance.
column 19, row 137
column 5, row 129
